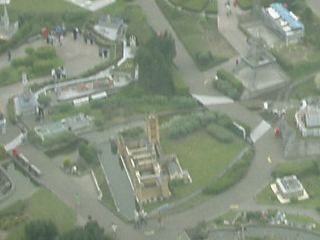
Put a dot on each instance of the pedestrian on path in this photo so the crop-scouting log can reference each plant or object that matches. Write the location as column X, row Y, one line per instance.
column 143, row 217
column 9, row 55
column 136, row 219
column 160, row 220
column 114, row 230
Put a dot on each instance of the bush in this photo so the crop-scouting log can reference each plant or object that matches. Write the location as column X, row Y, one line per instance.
column 44, row 99
column 232, row 175
column 62, row 138
column 227, row 76
column 204, row 58
column 88, row 153
column 66, row 162
column 220, row 133
column 300, row 169
column 15, row 209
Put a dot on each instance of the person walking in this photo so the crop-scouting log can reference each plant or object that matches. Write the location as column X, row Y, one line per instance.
column 136, row 219
column 9, row 55
column 160, row 220
column 143, row 217
column 114, row 230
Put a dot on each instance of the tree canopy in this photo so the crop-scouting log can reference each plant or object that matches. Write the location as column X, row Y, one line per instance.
column 155, row 60
column 47, row 230
column 41, row 230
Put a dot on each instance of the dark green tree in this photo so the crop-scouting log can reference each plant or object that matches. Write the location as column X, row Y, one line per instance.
column 155, row 60
column 40, row 230
column 91, row 231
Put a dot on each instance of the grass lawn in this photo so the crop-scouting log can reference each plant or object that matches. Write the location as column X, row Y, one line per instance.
column 107, row 198
column 204, row 158
column 43, row 205
column 41, row 6
column 304, row 90
column 200, row 34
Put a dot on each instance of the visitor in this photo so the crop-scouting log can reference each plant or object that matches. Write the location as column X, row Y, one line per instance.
column 114, row 230
column 143, row 217
column 136, row 219
column 159, row 220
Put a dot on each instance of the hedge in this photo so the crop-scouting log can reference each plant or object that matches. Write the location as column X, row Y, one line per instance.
column 232, row 175
column 227, row 76
column 220, row 133
column 301, row 169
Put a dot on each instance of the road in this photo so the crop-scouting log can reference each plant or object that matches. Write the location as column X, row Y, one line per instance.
column 241, row 194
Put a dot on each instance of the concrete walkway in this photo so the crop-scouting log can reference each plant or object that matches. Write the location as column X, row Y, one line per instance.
column 174, row 224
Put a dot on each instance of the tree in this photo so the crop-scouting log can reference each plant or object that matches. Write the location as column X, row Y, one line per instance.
column 44, row 99
column 91, row 231
column 155, row 60
column 40, row 230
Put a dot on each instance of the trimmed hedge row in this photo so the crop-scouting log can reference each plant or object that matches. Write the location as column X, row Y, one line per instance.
column 232, row 175
column 228, row 84
column 301, row 170
column 191, row 123
column 220, row 133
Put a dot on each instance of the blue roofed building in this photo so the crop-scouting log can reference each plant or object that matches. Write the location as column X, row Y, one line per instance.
column 283, row 22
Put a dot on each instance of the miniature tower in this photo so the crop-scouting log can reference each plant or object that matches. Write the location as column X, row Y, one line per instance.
column 26, row 89
column 152, row 129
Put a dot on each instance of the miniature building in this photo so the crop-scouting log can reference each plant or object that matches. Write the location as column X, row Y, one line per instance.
column 25, row 103
column 7, row 29
column 147, row 167
column 112, row 28
column 308, row 121
column 72, row 123
column 287, row 188
column 283, row 22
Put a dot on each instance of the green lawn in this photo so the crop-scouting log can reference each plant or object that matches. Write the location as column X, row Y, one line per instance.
column 41, row 6
column 199, row 35
column 304, row 90
column 204, row 158
column 43, row 205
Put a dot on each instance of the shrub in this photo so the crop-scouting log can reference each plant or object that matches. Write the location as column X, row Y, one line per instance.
column 15, row 209
column 66, row 162
column 204, row 58
column 88, row 153
column 301, row 169
column 227, row 76
column 45, row 52
column 44, row 99
column 232, row 175
column 220, row 133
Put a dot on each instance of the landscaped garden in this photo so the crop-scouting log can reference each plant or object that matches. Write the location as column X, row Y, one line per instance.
column 307, row 172
column 14, row 217
column 200, row 36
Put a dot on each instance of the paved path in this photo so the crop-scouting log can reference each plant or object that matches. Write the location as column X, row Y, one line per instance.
column 242, row 194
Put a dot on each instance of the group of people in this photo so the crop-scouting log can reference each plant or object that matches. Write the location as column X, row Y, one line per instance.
column 59, row 74
column 59, row 31
column 140, row 218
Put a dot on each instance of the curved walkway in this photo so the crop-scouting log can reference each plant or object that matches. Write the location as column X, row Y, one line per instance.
column 242, row 194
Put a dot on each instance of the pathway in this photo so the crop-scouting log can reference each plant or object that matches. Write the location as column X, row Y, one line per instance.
column 242, row 194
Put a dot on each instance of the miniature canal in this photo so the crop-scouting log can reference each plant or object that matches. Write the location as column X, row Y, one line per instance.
column 118, row 181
